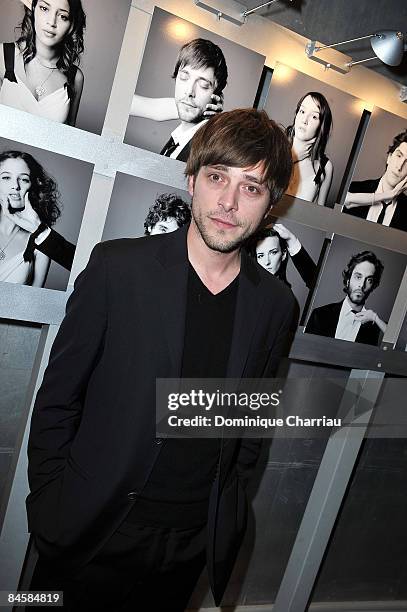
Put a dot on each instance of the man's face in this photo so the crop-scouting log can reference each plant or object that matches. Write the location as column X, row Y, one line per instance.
column 396, row 169
column 228, row 204
column 164, row 227
column 193, row 91
column 360, row 284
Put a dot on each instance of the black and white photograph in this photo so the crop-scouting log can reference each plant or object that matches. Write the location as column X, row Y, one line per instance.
column 321, row 123
column 141, row 208
column 291, row 252
column 187, row 74
column 42, row 200
column 378, row 191
column 58, row 58
column 356, row 292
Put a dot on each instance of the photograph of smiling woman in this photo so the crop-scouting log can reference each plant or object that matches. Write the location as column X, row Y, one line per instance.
column 40, row 73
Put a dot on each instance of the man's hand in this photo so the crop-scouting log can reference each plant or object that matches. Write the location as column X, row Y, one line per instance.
column 26, row 217
column 302, row 149
column 366, row 316
column 216, row 106
column 399, row 188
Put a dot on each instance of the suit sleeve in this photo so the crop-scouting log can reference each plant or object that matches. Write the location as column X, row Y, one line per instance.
column 58, row 406
column 250, row 447
column 305, row 265
column 58, row 249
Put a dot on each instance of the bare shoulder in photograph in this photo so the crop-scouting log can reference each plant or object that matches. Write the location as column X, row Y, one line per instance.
column 309, row 134
column 40, row 73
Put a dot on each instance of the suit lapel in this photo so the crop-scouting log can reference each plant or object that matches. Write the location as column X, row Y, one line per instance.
column 247, row 314
column 172, row 294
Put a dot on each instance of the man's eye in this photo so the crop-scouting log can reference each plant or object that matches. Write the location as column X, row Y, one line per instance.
column 252, row 189
column 215, row 178
column 204, row 85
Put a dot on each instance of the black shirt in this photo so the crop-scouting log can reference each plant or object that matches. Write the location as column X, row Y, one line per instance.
column 177, row 492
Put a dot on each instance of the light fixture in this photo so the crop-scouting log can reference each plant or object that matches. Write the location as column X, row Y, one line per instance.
column 237, row 19
column 388, row 46
column 257, row 8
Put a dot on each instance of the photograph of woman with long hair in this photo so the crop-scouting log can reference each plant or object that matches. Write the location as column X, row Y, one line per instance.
column 40, row 73
column 23, row 182
column 309, row 134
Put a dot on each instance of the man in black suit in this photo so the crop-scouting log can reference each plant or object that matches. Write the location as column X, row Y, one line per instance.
column 349, row 319
column 200, row 73
column 383, row 200
column 122, row 520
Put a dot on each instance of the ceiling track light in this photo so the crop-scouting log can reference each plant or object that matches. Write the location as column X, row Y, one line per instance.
column 237, row 19
column 388, row 46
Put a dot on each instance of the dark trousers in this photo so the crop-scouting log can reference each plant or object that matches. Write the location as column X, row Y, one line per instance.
column 140, row 568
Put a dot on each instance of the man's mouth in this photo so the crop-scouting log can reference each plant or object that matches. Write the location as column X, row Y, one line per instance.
column 222, row 223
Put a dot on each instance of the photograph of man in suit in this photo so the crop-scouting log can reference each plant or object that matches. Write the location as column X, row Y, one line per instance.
column 349, row 319
column 123, row 520
column 383, row 200
column 167, row 214
column 200, row 72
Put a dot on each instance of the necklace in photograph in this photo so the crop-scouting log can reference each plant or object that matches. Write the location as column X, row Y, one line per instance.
column 40, row 90
column 3, row 253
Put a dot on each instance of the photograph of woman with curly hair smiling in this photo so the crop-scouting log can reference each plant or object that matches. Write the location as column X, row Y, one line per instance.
column 40, row 73
column 23, row 182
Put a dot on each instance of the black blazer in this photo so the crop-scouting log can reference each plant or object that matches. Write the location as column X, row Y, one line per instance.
column 92, row 441
column 323, row 322
column 399, row 219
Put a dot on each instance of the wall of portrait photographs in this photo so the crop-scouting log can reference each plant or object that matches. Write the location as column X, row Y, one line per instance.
column 82, row 151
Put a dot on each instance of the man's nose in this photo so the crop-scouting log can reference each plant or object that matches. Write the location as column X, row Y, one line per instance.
column 190, row 89
column 229, row 198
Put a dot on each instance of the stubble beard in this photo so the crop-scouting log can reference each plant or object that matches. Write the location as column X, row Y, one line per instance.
column 217, row 241
column 188, row 117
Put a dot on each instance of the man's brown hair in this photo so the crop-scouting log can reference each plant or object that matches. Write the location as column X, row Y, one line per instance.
column 243, row 138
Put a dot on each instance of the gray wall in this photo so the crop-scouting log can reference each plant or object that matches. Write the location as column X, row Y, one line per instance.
column 244, row 68
column 346, row 114
column 73, row 178
column 18, row 344
column 106, row 22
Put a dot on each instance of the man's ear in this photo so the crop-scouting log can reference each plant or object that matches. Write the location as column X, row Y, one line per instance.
column 191, row 185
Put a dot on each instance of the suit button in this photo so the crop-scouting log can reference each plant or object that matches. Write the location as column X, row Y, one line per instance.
column 132, row 495
column 159, row 441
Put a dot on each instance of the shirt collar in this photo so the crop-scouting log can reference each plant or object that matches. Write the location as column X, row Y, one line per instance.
column 181, row 136
column 348, row 306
